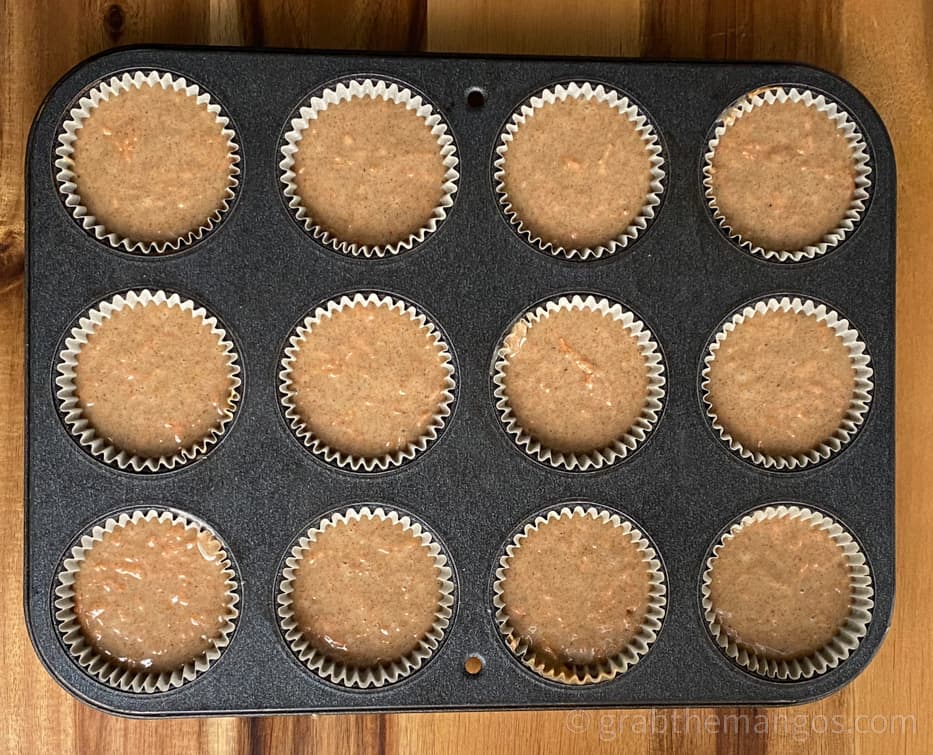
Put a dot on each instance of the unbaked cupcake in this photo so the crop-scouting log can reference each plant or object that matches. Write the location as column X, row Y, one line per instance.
column 148, row 381
column 787, row 173
column 365, row 597
column 147, row 163
column 367, row 382
column 787, row 593
column 787, row 383
column 369, row 168
column 579, row 382
column 578, row 171
column 579, row 595
column 147, row 601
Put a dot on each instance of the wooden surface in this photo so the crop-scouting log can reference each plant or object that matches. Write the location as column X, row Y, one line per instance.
column 884, row 47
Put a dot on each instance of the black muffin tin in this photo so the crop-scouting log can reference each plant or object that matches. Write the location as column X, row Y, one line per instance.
column 259, row 487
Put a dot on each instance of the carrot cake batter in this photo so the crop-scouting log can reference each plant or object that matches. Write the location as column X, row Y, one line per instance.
column 781, row 383
column 369, row 171
column 783, row 175
column 153, row 380
column 577, row 173
column 368, row 380
column 577, row 589
column 366, row 592
column 576, row 380
column 152, row 595
column 151, row 164
column 780, row 588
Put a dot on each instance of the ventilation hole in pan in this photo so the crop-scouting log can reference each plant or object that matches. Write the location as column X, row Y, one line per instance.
column 476, row 98
column 474, row 664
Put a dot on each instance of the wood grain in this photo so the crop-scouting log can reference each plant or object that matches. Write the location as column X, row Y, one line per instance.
column 886, row 49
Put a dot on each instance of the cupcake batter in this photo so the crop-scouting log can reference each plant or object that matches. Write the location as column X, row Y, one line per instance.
column 366, row 592
column 369, row 171
column 577, row 589
column 783, row 175
column 153, row 380
column 577, row 173
column 152, row 596
column 368, row 380
column 781, row 588
column 781, row 383
column 575, row 380
column 151, row 164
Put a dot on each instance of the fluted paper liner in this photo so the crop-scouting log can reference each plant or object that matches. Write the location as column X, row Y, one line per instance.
column 335, row 456
column 642, row 427
column 860, row 168
column 373, row 89
column 848, row 637
column 107, row 671
column 600, row 93
column 608, row 668
column 71, row 132
column 861, row 394
column 79, row 426
column 360, row 677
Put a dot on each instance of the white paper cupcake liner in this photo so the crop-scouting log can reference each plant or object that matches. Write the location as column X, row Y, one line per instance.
column 334, row 456
column 642, row 427
column 374, row 89
column 70, row 409
column 848, row 637
column 71, row 132
column 371, row 676
column 860, row 167
column 861, row 395
column 584, row 91
column 104, row 669
column 611, row 667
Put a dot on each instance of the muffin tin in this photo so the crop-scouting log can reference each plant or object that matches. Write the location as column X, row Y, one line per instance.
column 260, row 488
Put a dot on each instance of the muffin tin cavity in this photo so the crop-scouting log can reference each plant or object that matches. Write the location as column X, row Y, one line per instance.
column 367, row 382
column 155, row 181
column 579, row 594
column 800, row 132
column 445, row 448
column 601, row 193
column 584, row 395
column 181, row 581
column 789, row 604
column 385, row 175
column 770, row 374
column 147, row 381
column 392, row 607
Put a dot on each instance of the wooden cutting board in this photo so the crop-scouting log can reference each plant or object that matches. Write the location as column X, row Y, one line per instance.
column 885, row 47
